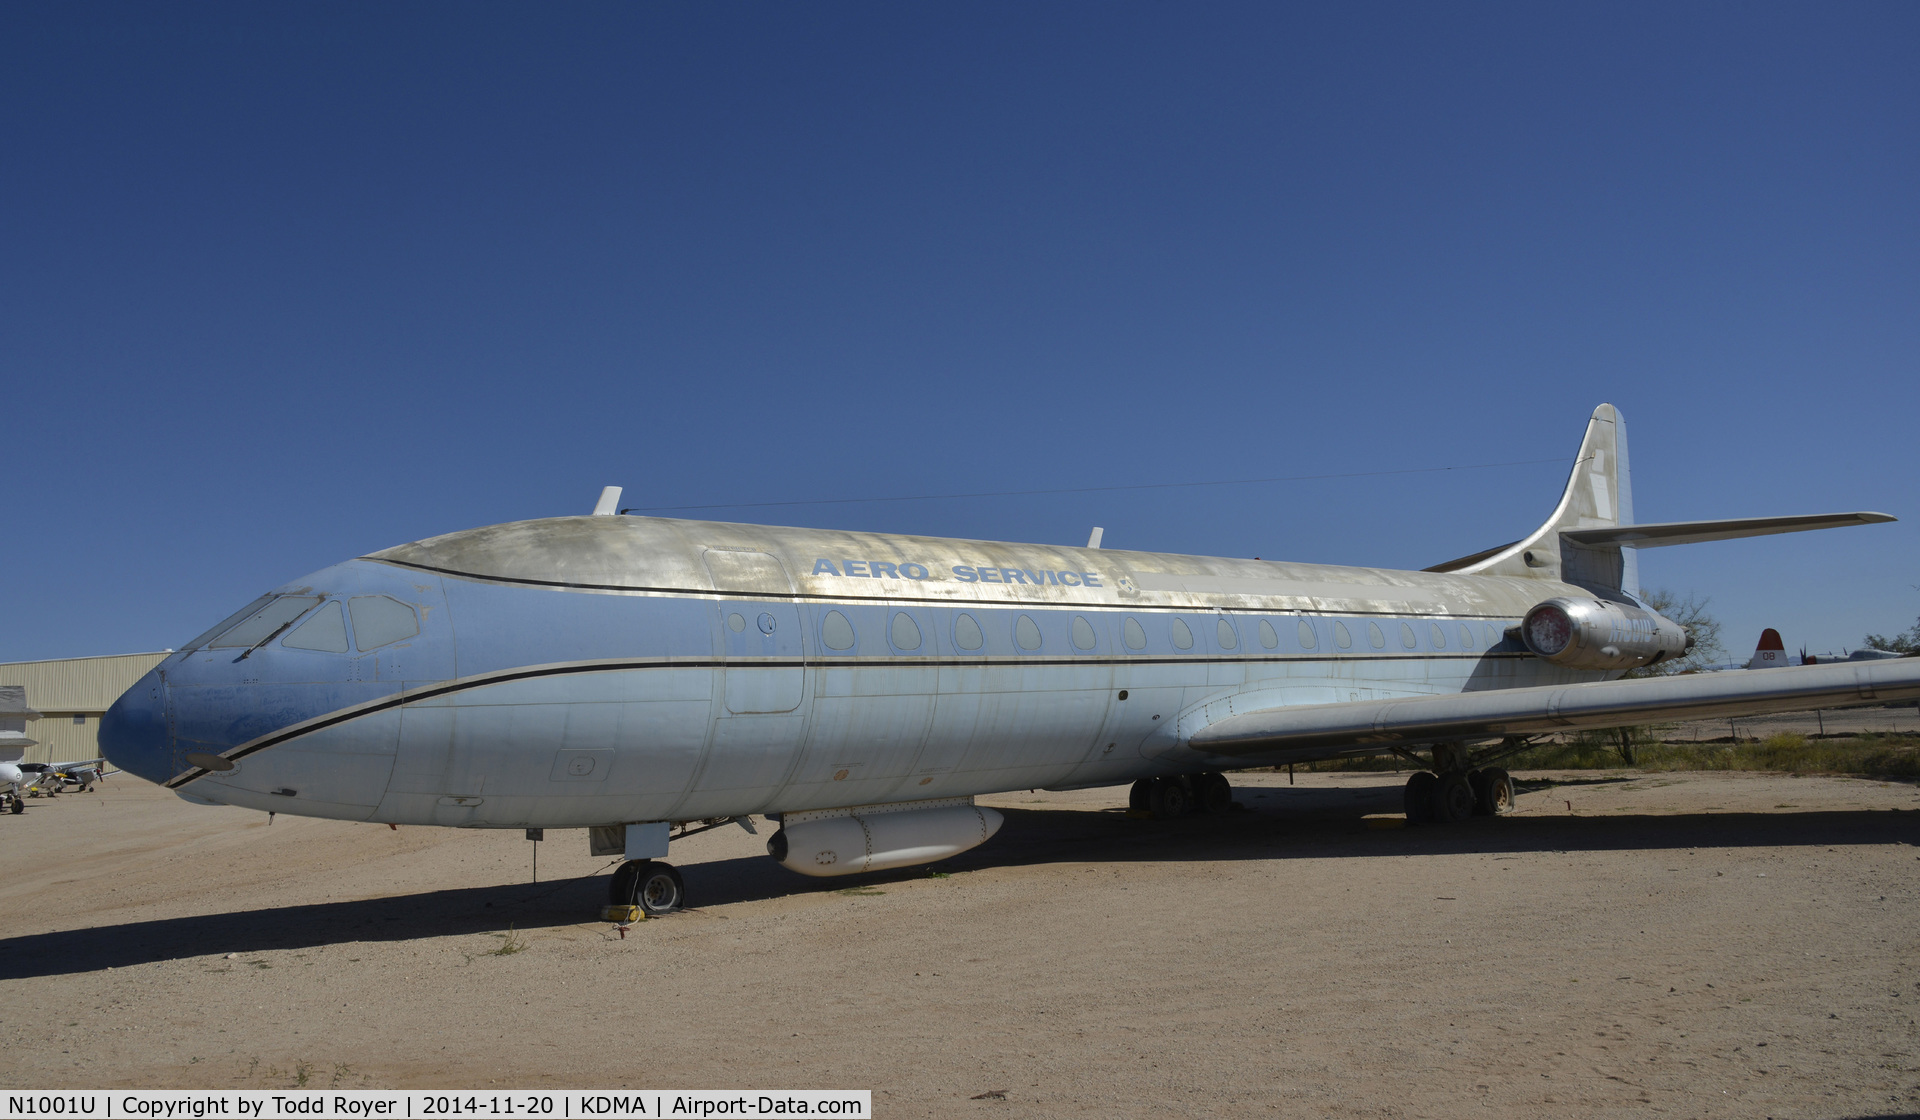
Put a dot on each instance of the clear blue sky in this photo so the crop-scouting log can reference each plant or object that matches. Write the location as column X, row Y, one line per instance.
column 284, row 284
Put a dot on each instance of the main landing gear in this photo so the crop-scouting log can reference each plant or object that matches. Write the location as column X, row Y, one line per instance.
column 656, row 888
column 1177, row 796
column 1455, row 795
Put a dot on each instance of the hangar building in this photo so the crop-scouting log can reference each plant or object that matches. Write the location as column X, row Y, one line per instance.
column 71, row 695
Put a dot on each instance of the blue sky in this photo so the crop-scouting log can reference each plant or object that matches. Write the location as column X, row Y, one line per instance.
column 284, row 284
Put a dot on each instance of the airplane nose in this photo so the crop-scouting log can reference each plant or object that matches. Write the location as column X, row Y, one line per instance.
column 133, row 733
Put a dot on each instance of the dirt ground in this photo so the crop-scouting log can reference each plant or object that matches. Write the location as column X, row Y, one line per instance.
column 1703, row 944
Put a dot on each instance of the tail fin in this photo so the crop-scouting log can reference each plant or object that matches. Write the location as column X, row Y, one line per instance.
column 1771, row 653
column 1599, row 495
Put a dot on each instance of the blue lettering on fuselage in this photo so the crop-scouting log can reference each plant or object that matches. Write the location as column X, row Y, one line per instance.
column 965, row 573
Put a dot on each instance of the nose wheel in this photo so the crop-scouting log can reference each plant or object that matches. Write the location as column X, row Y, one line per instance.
column 656, row 888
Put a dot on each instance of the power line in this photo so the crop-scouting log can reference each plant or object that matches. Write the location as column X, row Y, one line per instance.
column 1093, row 489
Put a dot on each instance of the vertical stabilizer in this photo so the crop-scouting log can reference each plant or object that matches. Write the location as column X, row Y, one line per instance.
column 1771, row 653
column 1599, row 494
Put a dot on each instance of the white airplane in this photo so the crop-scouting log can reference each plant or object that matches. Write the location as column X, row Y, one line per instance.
column 634, row 675
column 1771, row 653
column 55, row 778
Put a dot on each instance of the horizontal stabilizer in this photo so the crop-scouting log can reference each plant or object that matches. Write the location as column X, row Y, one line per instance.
column 1660, row 534
column 1325, row 730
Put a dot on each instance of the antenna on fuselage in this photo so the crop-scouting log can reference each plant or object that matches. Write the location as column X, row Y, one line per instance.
column 1093, row 541
column 609, row 503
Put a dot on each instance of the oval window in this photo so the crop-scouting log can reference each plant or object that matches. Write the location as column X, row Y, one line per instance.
column 1494, row 636
column 1466, row 636
column 1136, row 634
column 1182, row 637
column 378, row 620
column 1267, row 637
column 1083, row 637
column 1307, row 640
column 326, row 631
column 1341, row 637
column 1224, row 631
column 1439, row 635
column 1026, row 634
column 835, row 631
column 736, row 623
column 1374, row 637
column 1407, row 637
column 906, row 632
column 966, row 633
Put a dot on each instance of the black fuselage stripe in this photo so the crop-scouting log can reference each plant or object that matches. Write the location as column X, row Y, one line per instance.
column 509, row 676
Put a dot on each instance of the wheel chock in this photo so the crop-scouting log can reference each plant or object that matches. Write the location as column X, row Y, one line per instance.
column 621, row 914
column 1385, row 822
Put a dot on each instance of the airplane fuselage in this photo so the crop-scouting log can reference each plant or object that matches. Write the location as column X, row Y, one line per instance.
column 582, row 671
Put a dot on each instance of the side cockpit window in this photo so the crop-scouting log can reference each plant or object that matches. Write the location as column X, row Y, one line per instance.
column 264, row 623
column 379, row 620
column 325, row 631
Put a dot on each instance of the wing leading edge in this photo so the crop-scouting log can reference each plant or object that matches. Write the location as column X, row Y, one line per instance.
column 1367, row 726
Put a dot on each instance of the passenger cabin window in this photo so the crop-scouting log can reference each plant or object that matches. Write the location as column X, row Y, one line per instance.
column 1224, row 631
column 1439, row 635
column 1026, row 634
column 737, row 623
column 264, row 623
column 1307, row 640
column 1466, row 636
column 1136, row 634
column 1083, row 635
column 1182, row 637
column 1493, row 635
column 1407, row 637
column 1375, row 638
column 326, row 631
column 379, row 620
column 1341, row 637
column 836, row 632
column 966, row 633
column 1267, row 637
column 906, row 632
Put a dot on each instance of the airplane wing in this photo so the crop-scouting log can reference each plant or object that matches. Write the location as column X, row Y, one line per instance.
column 69, row 767
column 1372, row 726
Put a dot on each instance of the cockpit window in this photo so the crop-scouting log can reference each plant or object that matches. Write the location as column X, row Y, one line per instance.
column 264, row 623
column 236, row 616
column 378, row 620
column 326, row 631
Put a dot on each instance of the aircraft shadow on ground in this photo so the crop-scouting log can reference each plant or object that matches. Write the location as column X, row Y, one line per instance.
column 1295, row 824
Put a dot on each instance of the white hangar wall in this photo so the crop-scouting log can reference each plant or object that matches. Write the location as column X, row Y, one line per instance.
column 71, row 694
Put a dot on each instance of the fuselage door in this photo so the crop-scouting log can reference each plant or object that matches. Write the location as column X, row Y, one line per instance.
column 760, row 632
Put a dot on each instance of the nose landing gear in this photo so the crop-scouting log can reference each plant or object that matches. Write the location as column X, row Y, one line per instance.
column 654, row 888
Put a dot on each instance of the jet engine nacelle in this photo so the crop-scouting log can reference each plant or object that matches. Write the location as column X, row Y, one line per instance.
column 1595, row 634
column 877, row 837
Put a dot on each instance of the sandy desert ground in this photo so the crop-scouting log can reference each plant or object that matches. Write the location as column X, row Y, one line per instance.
column 1698, row 944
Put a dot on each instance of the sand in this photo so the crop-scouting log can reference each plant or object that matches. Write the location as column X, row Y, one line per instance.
column 1703, row 944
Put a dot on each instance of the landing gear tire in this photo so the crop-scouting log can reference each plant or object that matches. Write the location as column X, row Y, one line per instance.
column 656, row 888
column 1418, row 798
column 1170, row 798
column 1214, row 794
column 1493, row 796
column 1140, row 797
column 1452, row 798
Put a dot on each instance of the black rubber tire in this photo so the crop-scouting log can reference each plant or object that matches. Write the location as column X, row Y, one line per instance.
column 1477, row 782
column 1452, row 799
column 18, row 805
column 1140, row 797
column 1499, row 792
column 656, row 888
column 1171, row 799
column 1418, row 798
column 1213, row 794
